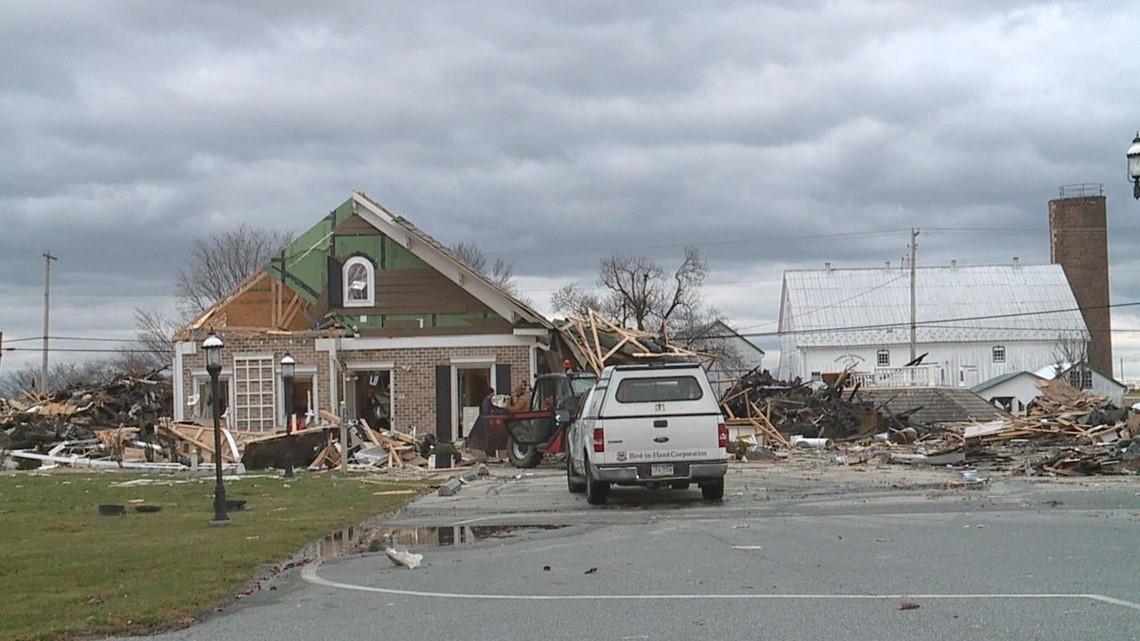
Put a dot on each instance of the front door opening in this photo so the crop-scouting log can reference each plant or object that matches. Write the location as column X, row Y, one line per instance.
column 373, row 396
column 472, row 384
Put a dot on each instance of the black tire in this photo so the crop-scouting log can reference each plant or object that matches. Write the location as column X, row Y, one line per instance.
column 573, row 483
column 680, row 485
column 596, row 491
column 713, row 490
column 525, row 456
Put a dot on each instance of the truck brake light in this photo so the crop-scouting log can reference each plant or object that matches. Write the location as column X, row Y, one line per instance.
column 599, row 440
column 721, row 435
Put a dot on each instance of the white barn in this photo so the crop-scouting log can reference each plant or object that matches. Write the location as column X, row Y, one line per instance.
column 972, row 323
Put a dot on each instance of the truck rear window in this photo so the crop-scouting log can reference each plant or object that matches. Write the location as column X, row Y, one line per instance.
column 655, row 390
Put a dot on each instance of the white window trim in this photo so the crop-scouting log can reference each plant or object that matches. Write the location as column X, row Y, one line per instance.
column 370, row 300
column 879, row 358
column 998, row 353
column 255, row 408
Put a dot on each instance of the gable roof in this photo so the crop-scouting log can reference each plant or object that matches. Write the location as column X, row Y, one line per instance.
column 718, row 329
column 936, row 405
column 829, row 307
column 998, row 380
column 1049, row 372
column 301, row 266
column 446, row 262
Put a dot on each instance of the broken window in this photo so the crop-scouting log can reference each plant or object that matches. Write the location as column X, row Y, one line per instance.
column 359, row 282
column 883, row 358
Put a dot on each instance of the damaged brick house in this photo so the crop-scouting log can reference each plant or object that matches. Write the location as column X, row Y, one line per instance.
column 383, row 322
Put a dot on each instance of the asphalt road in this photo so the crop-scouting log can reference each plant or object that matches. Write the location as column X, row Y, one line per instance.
column 801, row 555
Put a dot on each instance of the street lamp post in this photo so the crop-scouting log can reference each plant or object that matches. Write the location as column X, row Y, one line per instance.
column 288, row 368
column 213, row 348
column 1134, row 165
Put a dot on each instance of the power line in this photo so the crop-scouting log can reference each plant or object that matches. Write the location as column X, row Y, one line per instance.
column 88, row 349
column 70, row 338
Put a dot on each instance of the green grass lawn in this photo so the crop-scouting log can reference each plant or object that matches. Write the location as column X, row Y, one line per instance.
column 67, row 571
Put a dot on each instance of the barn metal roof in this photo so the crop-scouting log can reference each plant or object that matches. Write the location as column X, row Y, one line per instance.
column 838, row 307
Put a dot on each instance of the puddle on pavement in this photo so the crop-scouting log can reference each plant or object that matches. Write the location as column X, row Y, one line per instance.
column 370, row 538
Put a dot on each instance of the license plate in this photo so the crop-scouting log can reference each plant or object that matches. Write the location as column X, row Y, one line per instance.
column 661, row 469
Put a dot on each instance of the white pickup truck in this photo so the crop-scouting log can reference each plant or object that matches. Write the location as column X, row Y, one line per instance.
column 648, row 425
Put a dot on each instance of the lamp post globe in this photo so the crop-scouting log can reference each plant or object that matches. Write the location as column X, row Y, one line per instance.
column 212, row 346
column 1134, row 165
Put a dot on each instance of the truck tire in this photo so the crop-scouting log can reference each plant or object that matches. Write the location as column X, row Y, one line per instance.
column 713, row 490
column 596, row 491
column 525, row 456
column 573, row 483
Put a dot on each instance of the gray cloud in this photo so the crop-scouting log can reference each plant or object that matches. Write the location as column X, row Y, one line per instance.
column 773, row 135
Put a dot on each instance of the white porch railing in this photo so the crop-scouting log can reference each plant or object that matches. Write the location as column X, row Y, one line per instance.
column 916, row 376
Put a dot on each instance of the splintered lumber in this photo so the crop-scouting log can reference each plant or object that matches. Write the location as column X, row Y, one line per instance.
column 602, row 342
column 368, row 432
column 201, row 438
column 394, row 459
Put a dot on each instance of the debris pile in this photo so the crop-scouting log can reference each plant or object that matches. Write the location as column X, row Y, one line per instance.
column 1065, row 433
column 1083, row 434
column 110, row 422
column 776, row 411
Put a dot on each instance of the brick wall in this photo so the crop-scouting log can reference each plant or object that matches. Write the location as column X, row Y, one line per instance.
column 1079, row 243
column 413, row 375
column 413, row 378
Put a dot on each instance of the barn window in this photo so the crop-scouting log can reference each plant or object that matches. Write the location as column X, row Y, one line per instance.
column 359, row 282
column 999, row 353
column 883, row 359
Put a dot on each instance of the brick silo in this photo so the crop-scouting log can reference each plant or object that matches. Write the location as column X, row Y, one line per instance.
column 1078, row 240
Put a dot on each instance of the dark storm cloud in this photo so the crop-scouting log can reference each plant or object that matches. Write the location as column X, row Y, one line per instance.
column 773, row 135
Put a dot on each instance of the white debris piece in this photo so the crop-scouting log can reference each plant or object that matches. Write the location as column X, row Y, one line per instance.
column 401, row 557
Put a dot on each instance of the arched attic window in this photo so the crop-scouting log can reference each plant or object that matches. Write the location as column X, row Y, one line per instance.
column 359, row 282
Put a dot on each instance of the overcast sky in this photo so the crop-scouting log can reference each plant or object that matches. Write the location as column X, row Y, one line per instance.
column 772, row 135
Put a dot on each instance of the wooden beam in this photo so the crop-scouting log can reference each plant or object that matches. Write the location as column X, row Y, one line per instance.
column 291, row 311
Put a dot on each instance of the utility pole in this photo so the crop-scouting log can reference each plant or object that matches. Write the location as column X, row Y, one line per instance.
column 913, row 305
column 47, row 305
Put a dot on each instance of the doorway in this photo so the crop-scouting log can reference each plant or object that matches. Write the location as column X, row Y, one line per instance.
column 372, row 397
column 302, row 402
column 471, row 383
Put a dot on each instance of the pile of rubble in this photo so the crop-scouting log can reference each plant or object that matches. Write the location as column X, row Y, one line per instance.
column 126, row 424
column 1065, row 432
column 90, row 422
column 778, row 412
column 1080, row 434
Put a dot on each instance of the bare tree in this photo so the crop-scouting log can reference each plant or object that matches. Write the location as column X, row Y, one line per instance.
column 61, row 376
column 153, row 347
column 1070, row 351
column 634, row 285
column 221, row 261
column 683, row 296
column 502, row 273
column 1072, row 354
column 577, row 301
column 639, row 293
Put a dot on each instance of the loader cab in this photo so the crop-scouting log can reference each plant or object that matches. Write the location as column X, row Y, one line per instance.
column 554, row 404
column 560, row 393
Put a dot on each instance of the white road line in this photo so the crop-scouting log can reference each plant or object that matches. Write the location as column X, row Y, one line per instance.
column 309, row 574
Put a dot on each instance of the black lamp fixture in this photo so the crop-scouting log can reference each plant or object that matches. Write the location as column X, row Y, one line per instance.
column 1134, row 165
column 212, row 346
